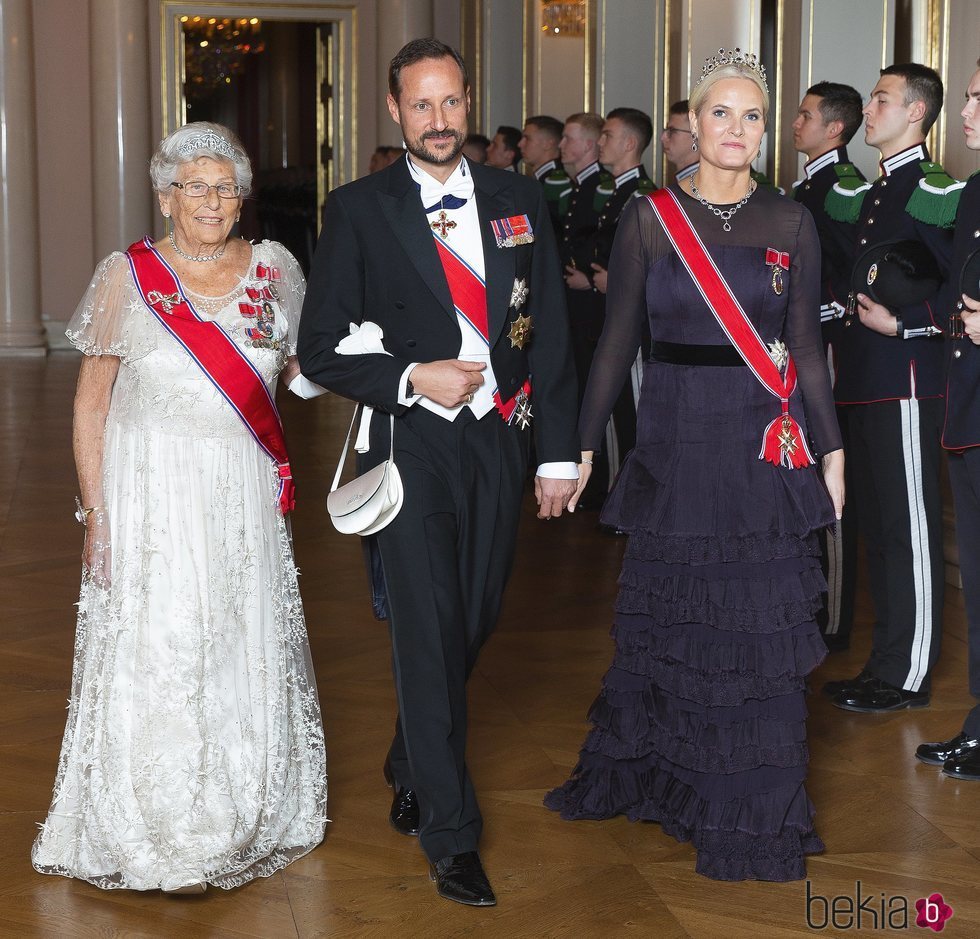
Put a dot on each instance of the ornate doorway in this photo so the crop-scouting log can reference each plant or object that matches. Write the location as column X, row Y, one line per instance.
column 282, row 78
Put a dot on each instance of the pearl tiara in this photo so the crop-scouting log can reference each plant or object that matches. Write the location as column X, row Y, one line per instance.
column 207, row 141
column 734, row 57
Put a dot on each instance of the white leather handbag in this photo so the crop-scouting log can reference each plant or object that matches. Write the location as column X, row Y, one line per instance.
column 369, row 501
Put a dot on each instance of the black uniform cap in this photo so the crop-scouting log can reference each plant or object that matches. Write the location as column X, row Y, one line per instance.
column 970, row 278
column 895, row 273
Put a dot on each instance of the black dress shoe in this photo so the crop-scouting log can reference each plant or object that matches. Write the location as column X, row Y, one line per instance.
column 404, row 814
column 937, row 754
column 965, row 765
column 878, row 697
column 834, row 688
column 461, row 878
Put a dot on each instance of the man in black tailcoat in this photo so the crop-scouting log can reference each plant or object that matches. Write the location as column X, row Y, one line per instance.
column 426, row 249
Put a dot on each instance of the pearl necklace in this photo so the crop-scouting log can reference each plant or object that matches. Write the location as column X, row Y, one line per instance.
column 724, row 214
column 197, row 257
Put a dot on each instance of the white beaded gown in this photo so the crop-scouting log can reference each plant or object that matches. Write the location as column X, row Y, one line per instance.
column 194, row 748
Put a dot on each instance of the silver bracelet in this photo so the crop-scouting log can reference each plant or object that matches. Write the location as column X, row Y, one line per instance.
column 587, row 462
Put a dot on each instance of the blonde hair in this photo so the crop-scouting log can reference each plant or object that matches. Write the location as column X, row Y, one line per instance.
column 734, row 70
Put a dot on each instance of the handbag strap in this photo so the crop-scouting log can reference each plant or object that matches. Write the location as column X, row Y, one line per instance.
column 343, row 454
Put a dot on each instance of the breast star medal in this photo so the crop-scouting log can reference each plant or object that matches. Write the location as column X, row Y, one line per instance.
column 442, row 224
column 778, row 353
column 518, row 293
column 779, row 262
column 520, row 332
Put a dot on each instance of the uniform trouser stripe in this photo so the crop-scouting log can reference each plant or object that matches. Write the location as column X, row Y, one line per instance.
column 835, row 578
column 919, row 534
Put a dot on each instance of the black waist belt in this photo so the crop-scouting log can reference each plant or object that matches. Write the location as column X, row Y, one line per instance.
column 678, row 353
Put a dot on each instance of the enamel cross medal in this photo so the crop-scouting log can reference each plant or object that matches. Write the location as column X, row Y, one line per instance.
column 442, row 225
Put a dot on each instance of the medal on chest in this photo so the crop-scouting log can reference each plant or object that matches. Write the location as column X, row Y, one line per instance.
column 778, row 261
column 259, row 311
column 442, row 225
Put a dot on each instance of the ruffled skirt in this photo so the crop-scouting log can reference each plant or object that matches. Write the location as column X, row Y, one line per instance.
column 700, row 722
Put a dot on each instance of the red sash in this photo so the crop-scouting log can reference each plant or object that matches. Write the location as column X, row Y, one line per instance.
column 469, row 295
column 782, row 442
column 218, row 356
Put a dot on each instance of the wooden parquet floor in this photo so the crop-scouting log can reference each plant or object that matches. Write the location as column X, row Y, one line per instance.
column 894, row 829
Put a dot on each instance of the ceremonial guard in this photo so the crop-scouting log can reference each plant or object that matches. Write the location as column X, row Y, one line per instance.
column 539, row 146
column 828, row 117
column 579, row 216
column 678, row 141
column 960, row 756
column 625, row 136
column 890, row 378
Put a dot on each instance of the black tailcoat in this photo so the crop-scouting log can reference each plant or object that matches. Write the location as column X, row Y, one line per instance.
column 447, row 555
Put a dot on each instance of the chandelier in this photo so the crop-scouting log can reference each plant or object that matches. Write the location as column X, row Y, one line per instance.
column 563, row 19
column 216, row 49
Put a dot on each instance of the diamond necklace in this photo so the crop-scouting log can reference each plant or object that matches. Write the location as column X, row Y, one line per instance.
column 217, row 254
column 724, row 214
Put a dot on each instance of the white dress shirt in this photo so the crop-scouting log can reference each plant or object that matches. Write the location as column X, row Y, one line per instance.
column 466, row 242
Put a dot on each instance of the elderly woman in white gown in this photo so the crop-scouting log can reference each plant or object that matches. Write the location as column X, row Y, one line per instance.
column 193, row 752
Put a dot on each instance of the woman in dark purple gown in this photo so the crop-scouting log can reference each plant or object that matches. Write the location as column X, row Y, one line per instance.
column 700, row 722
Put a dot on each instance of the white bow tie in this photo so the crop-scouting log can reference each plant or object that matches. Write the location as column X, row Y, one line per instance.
column 460, row 185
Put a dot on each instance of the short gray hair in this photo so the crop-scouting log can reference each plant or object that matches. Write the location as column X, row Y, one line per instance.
column 201, row 138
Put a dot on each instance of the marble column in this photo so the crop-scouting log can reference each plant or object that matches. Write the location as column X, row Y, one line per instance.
column 398, row 22
column 122, row 196
column 20, row 282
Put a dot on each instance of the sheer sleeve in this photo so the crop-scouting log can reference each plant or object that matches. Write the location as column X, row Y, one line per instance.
column 292, row 292
column 804, row 340
column 625, row 313
column 101, row 323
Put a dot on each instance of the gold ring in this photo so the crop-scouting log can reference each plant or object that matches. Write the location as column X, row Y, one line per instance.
column 469, row 398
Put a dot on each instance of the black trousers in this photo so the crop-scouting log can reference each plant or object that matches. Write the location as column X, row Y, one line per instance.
column 446, row 559
column 838, row 548
column 964, row 476
column 895, row 453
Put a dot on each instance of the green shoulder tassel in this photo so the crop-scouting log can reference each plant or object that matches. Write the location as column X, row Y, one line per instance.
column 606, row 187
column 936, row 198
column 843, row 201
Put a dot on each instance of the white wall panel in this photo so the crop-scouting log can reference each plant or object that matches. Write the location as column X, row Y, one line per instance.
column 847, row 41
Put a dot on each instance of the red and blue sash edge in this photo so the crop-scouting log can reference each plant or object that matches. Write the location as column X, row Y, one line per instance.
column 217, row 355
column 469, row 295
column 783, row 443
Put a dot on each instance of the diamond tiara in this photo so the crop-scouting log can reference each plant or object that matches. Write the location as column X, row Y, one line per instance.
column 207, row 141
column 734, row 57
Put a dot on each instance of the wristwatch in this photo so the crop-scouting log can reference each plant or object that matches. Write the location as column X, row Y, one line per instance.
column 899, row 327
column 409, row 388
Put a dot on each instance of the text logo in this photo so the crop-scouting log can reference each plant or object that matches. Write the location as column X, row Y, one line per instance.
column 874, row 911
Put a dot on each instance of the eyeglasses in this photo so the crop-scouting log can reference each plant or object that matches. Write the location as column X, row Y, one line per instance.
column 670, row 131
column 200, row 190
